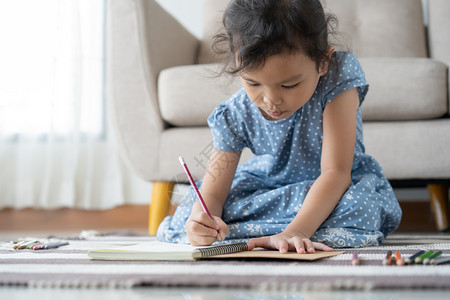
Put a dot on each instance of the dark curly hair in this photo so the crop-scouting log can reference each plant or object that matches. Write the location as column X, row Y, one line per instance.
column 258, row 29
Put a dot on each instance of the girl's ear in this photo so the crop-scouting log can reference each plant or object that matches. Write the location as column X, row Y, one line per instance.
column 323, row 69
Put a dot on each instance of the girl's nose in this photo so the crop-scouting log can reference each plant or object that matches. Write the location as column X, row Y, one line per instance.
column 271, row 99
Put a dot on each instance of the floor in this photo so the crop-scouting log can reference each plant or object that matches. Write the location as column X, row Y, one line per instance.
column 216, row 294
column 15, row 224
column 172, row 293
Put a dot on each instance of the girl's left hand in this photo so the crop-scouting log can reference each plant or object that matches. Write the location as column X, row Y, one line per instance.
column 285, row 242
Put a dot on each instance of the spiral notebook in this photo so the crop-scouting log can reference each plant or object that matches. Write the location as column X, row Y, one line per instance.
column 167, row 251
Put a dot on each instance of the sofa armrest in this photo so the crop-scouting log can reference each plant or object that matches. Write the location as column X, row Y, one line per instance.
column 439, row 33
column 167, row 42
column 142, row 39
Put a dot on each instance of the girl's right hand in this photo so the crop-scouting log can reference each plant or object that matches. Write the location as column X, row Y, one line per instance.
column 201, row 230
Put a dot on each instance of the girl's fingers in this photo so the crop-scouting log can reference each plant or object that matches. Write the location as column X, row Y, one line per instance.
column 322, row 247
column 263, row 242
column 309, row 248
column 283, row 246
column 200, row 235
column 223, row 228
column 202, row 241
column 206, row 220
column 298, row 245
column 202, row 230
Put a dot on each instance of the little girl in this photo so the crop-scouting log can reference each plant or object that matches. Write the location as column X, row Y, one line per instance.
column 309, row 184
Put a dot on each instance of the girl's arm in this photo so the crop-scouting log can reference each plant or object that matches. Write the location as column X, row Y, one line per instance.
column 339, row 138
column 200, row 228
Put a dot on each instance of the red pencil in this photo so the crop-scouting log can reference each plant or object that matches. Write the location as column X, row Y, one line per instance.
column 194, row 186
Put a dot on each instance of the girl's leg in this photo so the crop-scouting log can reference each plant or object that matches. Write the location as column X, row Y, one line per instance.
column 367, row 212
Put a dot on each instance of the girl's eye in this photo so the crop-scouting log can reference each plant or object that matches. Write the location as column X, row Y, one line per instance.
column 290, row 86
column 252, row 84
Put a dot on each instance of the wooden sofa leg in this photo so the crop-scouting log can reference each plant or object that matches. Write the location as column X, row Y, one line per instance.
column 439, row 200
column 159, row 206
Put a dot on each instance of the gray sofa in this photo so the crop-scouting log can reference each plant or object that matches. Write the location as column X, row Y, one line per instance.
column 161, row 89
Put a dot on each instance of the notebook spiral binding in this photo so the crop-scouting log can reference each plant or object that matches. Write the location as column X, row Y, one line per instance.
column 222, row 249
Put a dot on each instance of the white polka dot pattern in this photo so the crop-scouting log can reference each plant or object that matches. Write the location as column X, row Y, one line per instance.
column 269, row 190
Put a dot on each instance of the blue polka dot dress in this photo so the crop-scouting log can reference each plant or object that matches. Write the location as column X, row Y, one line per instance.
column 269, row 189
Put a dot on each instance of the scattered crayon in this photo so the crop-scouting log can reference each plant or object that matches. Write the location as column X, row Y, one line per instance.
column 428, row 260
column 19, row 244
column 441, row 260
column 411, row 259
column 419, row 260
column 388, row 259
column 38, row 245
column 26, row 244
column 398, row 259
column 53, row 245
column 355, row 260
column 30, row 246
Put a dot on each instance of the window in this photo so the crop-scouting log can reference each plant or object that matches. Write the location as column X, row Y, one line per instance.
column 52, row 68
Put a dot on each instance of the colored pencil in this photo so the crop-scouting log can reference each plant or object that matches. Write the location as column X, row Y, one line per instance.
column 398, row 259
column 19, row 244
column 441, row 260
column 36, row 247
column 194, row 186
column 355, row 259
column 435, row 255
column 420, row 259
column 30, row 246
column 26, row 244
column 411, row 259
column 387, row 260
column 52, row 245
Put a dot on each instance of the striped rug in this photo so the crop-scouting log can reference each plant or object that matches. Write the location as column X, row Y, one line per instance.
column 69, row 266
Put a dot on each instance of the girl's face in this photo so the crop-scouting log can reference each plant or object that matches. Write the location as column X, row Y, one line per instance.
column 283, row 84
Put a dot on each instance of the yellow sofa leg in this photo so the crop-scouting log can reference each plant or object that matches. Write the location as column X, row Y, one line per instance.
column 439, row 199
column 159, row 206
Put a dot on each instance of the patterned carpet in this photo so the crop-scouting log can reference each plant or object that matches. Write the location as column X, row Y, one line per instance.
column 69, row 266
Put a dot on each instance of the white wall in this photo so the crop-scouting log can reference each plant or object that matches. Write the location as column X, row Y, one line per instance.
column 188, row 12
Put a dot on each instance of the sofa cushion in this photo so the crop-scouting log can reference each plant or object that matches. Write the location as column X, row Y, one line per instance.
column 400, row 89
column 405, row 150
column 410, row 149
column 188, row 94
column 404, row 89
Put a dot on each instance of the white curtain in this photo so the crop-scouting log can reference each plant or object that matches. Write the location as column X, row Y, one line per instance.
column 56, row 148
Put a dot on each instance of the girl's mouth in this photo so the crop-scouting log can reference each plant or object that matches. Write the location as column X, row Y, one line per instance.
column 272, row 114
column 275, row 114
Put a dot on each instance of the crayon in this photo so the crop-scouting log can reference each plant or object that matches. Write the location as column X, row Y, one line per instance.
column 18, row 244
column 441, row 260
column 54, row 245
column 26, row 244
column 419, row 259
column 37, row 246
column 398, row 259
column 428, row 260
column 411, row 259
column 355, row 260
column 30, row 246
column 387, row 260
